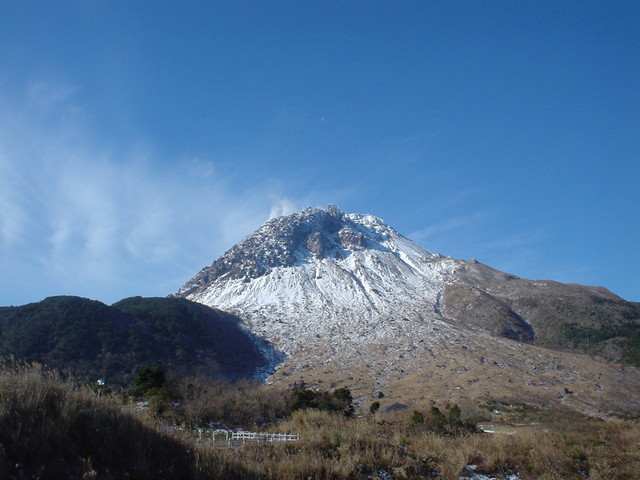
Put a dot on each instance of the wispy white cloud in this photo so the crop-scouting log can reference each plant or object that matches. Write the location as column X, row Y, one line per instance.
column 84, row 220
column 281, row 206
column 11, row 215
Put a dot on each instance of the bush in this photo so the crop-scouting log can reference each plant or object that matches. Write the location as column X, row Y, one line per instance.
column 417, row 418
column 147, row 379
column 340, row 401
column 53, row 428
column 205, row 401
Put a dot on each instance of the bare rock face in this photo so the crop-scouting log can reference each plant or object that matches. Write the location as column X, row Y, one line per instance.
column 345, row 299
column 316, row 244
column 350, row 238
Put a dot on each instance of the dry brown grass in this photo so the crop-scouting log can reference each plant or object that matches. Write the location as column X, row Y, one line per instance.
column 337, row 448
column 54, row 428
column 239, row 404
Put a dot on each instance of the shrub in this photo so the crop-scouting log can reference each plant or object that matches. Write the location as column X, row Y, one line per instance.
column 344, row 401
column 205, row 401
column 417, row 418
column 338, row 401
column 147, row 379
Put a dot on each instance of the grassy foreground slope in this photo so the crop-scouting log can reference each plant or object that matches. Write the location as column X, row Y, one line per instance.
column 51, row 429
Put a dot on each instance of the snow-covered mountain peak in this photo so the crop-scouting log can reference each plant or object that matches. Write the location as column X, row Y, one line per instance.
column 317, row 272
column 305, row 237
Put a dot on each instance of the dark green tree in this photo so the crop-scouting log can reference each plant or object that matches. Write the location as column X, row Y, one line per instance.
column 148, row 379
column 437, row 416
column 302, row 398
column 344, row 401
column 453, row 414
column 340, row 401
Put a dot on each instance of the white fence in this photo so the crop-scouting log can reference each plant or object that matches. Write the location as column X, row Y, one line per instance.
column 228, row 438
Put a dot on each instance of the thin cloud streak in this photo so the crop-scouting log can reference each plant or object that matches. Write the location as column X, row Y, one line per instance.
column 519, row 240
column 474, row 236
column 454, row 224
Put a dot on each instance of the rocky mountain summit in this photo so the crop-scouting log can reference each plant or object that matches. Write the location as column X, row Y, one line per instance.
column 348, row 275
column 343, row 298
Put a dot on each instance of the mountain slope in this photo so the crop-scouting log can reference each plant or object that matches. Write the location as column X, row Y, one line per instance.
column 560, row 316
column 351, row 301
column 96, row 340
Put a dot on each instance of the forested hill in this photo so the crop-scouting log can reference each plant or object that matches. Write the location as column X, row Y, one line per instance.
column 94, row 340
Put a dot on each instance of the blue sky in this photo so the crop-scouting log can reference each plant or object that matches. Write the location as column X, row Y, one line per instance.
column 140, row 140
